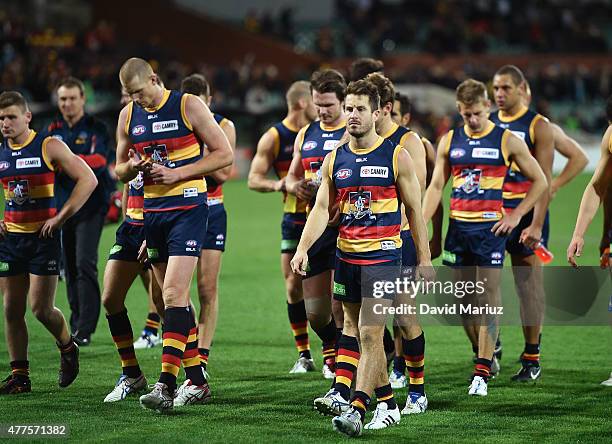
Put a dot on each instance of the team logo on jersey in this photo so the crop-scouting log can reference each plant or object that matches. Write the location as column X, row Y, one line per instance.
column 138, row 181
column 166, row 125
column 4, row 165
column 374, row 171
column 344, row 173
column 471, row 181
column 359, row 204
column 457, row 153
column 309, row 146
column 19, row 191
column 330, row 145
column 485, row 153
column 152, row 116
column 157, row 153
column 138, row 130
column 28, row 162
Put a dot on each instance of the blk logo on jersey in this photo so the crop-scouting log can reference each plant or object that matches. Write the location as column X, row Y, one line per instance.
column 374, row 171
column 359, row 204
column 166, row 125
column 157, row 153
column 471, row 181
column 19, row 191
column 28, row 162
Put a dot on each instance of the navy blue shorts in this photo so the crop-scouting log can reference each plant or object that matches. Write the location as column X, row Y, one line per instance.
column 354, row 282
column 409, row 255
column 175, row 233
column 22, row 253
column 515, row 247
column 473, row 244
column 322, row 254
column 216, row 229
column 128, row 240
column 291, row 231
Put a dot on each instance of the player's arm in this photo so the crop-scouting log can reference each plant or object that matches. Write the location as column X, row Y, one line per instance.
column 577, row 159
column 412, row 143
column 295, row 182
column 317, row 219
column 129, row 162
column 440, row 175
column 544, row 153
column 591, row 198
column 85, row 183
column 517, row 150
column 409, row 189
column 261, row 164
column 435, row 244
column 207, row 130
column 223, row 174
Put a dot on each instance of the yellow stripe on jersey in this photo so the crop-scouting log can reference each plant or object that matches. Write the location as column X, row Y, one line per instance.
column 128, row 120
column 376, row 206
column 184, row 153
column 24, row 227
column 449, row 139
column 396, row 152
column 154, row 191
column 45, row 156
column 276, row 137
column 532, row 127
column 365, row 245
column 486, row 182
column 511, row 195
column 332, row 160
column 475, row 216
column 38, row 192
column 294, row 205
column 504, row 147
column 135, row 213
column 184, row 112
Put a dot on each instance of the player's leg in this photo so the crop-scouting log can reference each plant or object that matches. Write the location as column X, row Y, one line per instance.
column 413, row 350
column 119, row 276
column 15, row 291
column 70, row 271
column 149, row 337
column 209, row 267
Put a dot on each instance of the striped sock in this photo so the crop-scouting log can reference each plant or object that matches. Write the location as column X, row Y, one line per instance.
column 531, row 355
column 20, row 369
column 385, row 394
column 483, row 368
column 414, row 355
column 328, row 340
column 176, row 330
column 152, row 324
column 203, row 352
column 299, row 326
column 346, row 364
column 360, row 401
column 123, row 337
column 191, row 357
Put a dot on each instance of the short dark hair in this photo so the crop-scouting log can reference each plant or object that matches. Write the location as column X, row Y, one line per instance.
column 328, row 80
column 513, row 71
column 71, row 82
column 364, row 87
column 471, row 91
column 10, row 98
column 385, row 88
column 196, row 84
column 360, row 68
column 405, row 104
column 609, row 109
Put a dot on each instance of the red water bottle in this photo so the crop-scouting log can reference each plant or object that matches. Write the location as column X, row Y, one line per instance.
column 543, row 253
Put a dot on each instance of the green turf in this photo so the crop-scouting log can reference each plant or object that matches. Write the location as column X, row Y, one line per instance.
column 256, row 400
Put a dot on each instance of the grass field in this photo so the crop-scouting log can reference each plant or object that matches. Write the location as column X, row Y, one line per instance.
column 256, row 400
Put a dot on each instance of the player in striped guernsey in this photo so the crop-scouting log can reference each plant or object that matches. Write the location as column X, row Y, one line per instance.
column 209, row 265
column 370, row 178
column 164, row 128
column 477, row 156
column 312, row 143
column 510, row 88
column 30, row 246
column 275, row 151
column 596, row 192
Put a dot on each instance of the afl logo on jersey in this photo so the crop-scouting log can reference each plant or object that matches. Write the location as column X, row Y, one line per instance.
column 310, row 145
column 4, row 165
column 344, row 173
column 138, row 130
column 457, row 153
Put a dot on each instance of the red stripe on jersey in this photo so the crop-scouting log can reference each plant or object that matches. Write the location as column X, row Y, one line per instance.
column 33, row 179
column 378, row 193
column 364, row 261
column 475, row 205
column 282, row 165
column 215, row 191
column 29, row 215
column 94, row 160
column 355, row 232
column 158, row 210
column 135, row 201
column 517, row 187
column 486, row 170
column 174, row 143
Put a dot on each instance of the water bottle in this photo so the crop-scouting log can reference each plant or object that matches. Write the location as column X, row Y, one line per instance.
column 543, row 253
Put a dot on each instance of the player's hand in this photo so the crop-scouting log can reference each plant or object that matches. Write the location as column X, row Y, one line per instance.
column 505, row 226
column 279, row 185
column 306, row 190
column 574, row 250
column 425, row 271
column 334, row 216
column 164, row 175
column 299, row 263
column 530, row 236
column 142, row 252
column 435, row 247
column 137, row 163
column 3, row 229
column 50, row 226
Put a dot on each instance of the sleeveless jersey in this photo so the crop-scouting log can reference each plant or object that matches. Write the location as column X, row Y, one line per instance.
column 479, row 164
column 28, row 179
column 284, row 137
column 215, row 190
column 366, row 191
column 315, row 142
column 164, row 135
column 134, row 211
column 522, row 125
